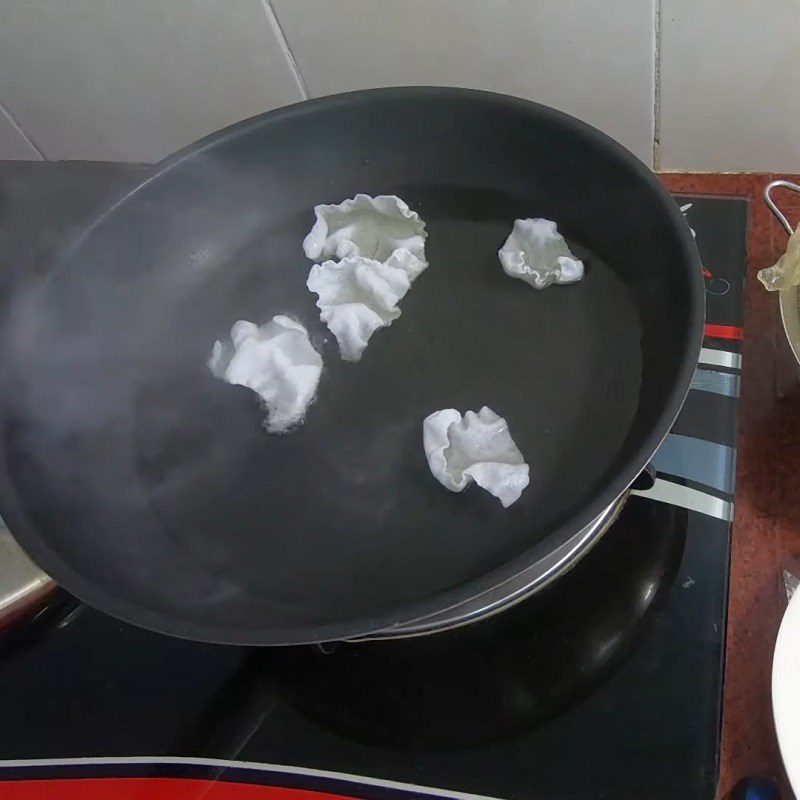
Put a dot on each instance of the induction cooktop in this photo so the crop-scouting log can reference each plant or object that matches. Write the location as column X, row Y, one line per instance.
column 607, row 684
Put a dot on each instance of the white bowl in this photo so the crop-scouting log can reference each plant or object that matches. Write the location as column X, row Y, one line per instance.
column 786, row 691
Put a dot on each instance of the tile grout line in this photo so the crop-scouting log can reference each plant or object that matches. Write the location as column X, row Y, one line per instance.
column 294, row 67
column 6, row 112
column 657, row 19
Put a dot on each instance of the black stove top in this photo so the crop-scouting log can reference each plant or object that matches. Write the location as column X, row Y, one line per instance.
column 605, row 685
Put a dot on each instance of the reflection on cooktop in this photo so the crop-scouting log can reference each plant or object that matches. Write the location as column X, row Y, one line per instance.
column 484, row 681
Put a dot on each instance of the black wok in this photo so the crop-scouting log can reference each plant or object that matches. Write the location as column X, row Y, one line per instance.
column 150, row 490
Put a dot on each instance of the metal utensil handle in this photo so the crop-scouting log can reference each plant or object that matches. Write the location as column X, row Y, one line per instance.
column 771, row 203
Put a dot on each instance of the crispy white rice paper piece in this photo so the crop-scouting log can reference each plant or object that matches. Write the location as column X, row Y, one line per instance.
column 277, row 361
column 357, row 296
column 369, row 227
column 475, row 447
column 538, row 254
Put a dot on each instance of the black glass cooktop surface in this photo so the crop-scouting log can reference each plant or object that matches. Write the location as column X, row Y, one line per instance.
column 605, row 685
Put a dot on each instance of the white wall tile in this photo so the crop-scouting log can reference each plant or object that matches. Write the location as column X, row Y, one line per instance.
column 591, row 59
column 730, row 85
column 134, row 80
column 13, row 143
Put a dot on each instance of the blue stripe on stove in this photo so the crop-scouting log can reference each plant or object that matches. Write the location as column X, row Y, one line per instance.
column 697, row 460
column 709, row 380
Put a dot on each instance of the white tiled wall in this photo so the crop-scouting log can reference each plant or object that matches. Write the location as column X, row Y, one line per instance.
column 13, row 142
column 592, row 59
column 134, row 81
column 730, row 85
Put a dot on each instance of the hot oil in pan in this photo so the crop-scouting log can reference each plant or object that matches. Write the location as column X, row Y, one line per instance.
column 563, row 365
column 342, row 514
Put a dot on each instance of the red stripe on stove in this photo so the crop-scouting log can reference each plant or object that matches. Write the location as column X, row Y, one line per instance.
column 151, row 789
column 724, row 332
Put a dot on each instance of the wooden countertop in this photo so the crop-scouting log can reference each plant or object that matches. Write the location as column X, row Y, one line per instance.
column 766, row 528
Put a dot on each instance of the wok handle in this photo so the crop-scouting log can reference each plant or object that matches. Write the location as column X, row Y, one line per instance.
column 645, row 480
column 779, row 215
column 23, row 586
